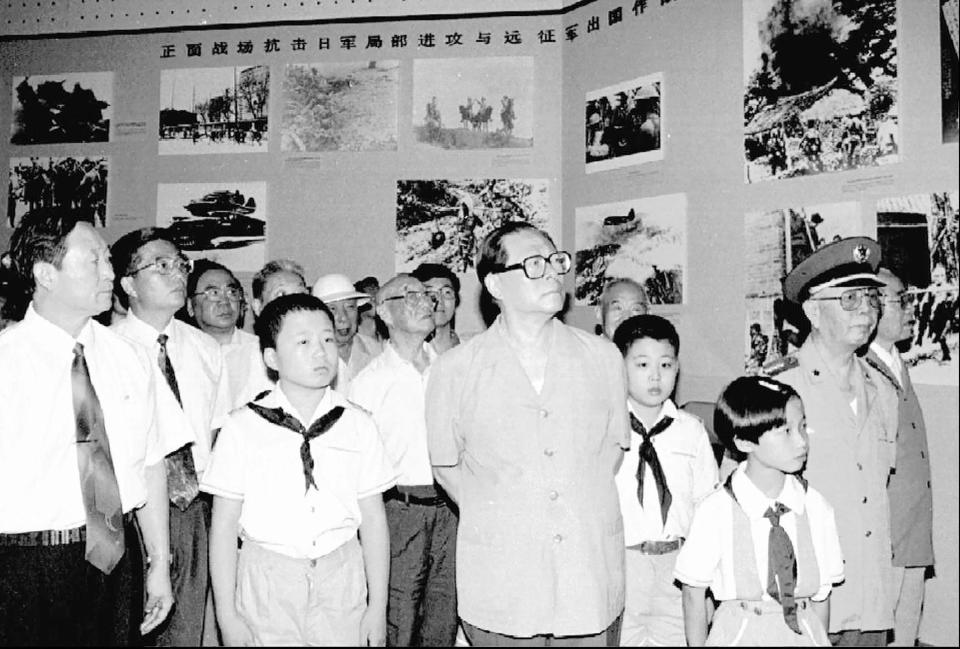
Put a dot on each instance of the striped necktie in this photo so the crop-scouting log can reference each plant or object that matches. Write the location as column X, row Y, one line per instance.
column 182, row 483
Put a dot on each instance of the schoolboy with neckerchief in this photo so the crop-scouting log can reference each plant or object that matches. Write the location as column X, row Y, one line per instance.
column 297, row 473
column 669, row 468
column 766, row 544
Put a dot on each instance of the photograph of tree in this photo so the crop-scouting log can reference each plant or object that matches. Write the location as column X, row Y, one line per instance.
column 820, row 86
column 473, row 103
column 340, row 106
column 644, row 239
column 623, row 124
column 224, row 221
column 214, row 110
column 918, row 240
column 776, row 241
column 949, row 69
column 69, row 107
column 75, row 183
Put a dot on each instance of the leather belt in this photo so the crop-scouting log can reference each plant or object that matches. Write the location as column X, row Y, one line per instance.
column 657, row 547
column 410, row 497
column 45, row 537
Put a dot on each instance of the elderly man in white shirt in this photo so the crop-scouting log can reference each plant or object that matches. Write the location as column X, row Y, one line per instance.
column 79, row 449
column 422, row 609
column 355, row 349
column 192, row 396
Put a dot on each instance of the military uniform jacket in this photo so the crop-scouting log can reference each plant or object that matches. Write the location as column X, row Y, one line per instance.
column 849, row 462
column 911, row 500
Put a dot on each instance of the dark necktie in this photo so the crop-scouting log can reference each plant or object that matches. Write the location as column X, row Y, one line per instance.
column 98, row 482
column 782, row 566
column 648, row 455
column 182, row 483
column 319, row 427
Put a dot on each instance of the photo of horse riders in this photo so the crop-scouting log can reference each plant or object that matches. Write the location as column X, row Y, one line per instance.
column 67, row 107
column 473, row 103
column 214, row 110
column 75, row 183
column 623, row 124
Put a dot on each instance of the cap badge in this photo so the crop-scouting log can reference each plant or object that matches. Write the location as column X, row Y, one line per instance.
column 861, row 254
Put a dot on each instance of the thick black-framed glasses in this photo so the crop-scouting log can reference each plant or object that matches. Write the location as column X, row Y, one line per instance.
column 166, row 265
column 852, row 298
column 214, row 293
column 535, row 266
column 413, row 298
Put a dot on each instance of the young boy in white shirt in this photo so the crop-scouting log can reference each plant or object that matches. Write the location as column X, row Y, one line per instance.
column 297, row 473
column 669, row 468
column 766, row 544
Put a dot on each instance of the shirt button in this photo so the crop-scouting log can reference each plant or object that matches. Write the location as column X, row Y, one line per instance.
column 558, row 538
column 913, row 425
column 859, row 467
column 864, row 499
column 548, row 452
column 543, row 414
column 868, row 534
column 923, row 455
column 554, row 495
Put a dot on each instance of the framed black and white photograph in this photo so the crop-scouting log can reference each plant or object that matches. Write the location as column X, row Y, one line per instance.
column 775, row 242
column 340, row 106
column 62, row 108
column 214, row 110
column 76, row 183
column 623, row 124
column 820, row 86
column 918, row 242
column 644, row 239
column 474, row 103
column 225, row 221
column 949, row 70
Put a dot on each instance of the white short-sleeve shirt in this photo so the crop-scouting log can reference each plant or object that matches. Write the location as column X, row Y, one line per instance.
column 707, row 558
column 687, row 459
column 246, row 372
column 259, row 463
column 39, row 475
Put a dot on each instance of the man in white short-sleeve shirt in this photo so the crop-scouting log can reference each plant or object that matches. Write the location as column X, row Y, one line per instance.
column 50, row 594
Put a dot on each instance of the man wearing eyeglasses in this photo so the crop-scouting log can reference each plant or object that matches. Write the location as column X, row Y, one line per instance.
column 422, row 608
column 526, row 423
column 911, row 500
column 192, row 395
column 851, row 413
column 79, row 454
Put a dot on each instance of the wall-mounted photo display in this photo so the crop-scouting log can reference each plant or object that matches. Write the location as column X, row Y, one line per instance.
column 918, row 241
column 214, row 110
column 949, row 70
column 340, row 106
column 623, row 124
column 474, row 103
column 820, row 86
column 644, row 239
column 62, row 108
column 77, row 183
column 775, row 242
column 223, row 221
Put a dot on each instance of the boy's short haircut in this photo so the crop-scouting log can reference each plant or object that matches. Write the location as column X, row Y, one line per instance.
column 268, row 325
column 645, row 326
column 749, row 407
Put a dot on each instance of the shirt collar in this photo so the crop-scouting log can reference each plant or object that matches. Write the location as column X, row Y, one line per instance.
column 889, row 358
column 393, row 359
column 140, row 330
column 667, row 409
column 54, row 336
column 755, row 503
column 277, row 399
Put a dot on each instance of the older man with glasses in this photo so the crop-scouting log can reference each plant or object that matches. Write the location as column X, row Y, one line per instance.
column 526, row 424
column 422, row 609
column 192, row 395
column 851, row 413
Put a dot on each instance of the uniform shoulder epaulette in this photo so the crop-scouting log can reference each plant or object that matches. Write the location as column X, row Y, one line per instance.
column 780, row 365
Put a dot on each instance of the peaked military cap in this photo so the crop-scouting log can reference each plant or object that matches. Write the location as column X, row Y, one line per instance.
column 849, row 262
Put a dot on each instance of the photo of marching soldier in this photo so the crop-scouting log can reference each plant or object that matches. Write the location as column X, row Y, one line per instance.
column 68, row 107
column 473, row 103
column 642, row 239
column 340, row 106
column 214, row 110
column 776, row 242
column 623, row 124
column 918, row 237
column 820, row 86
column 78, row 184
